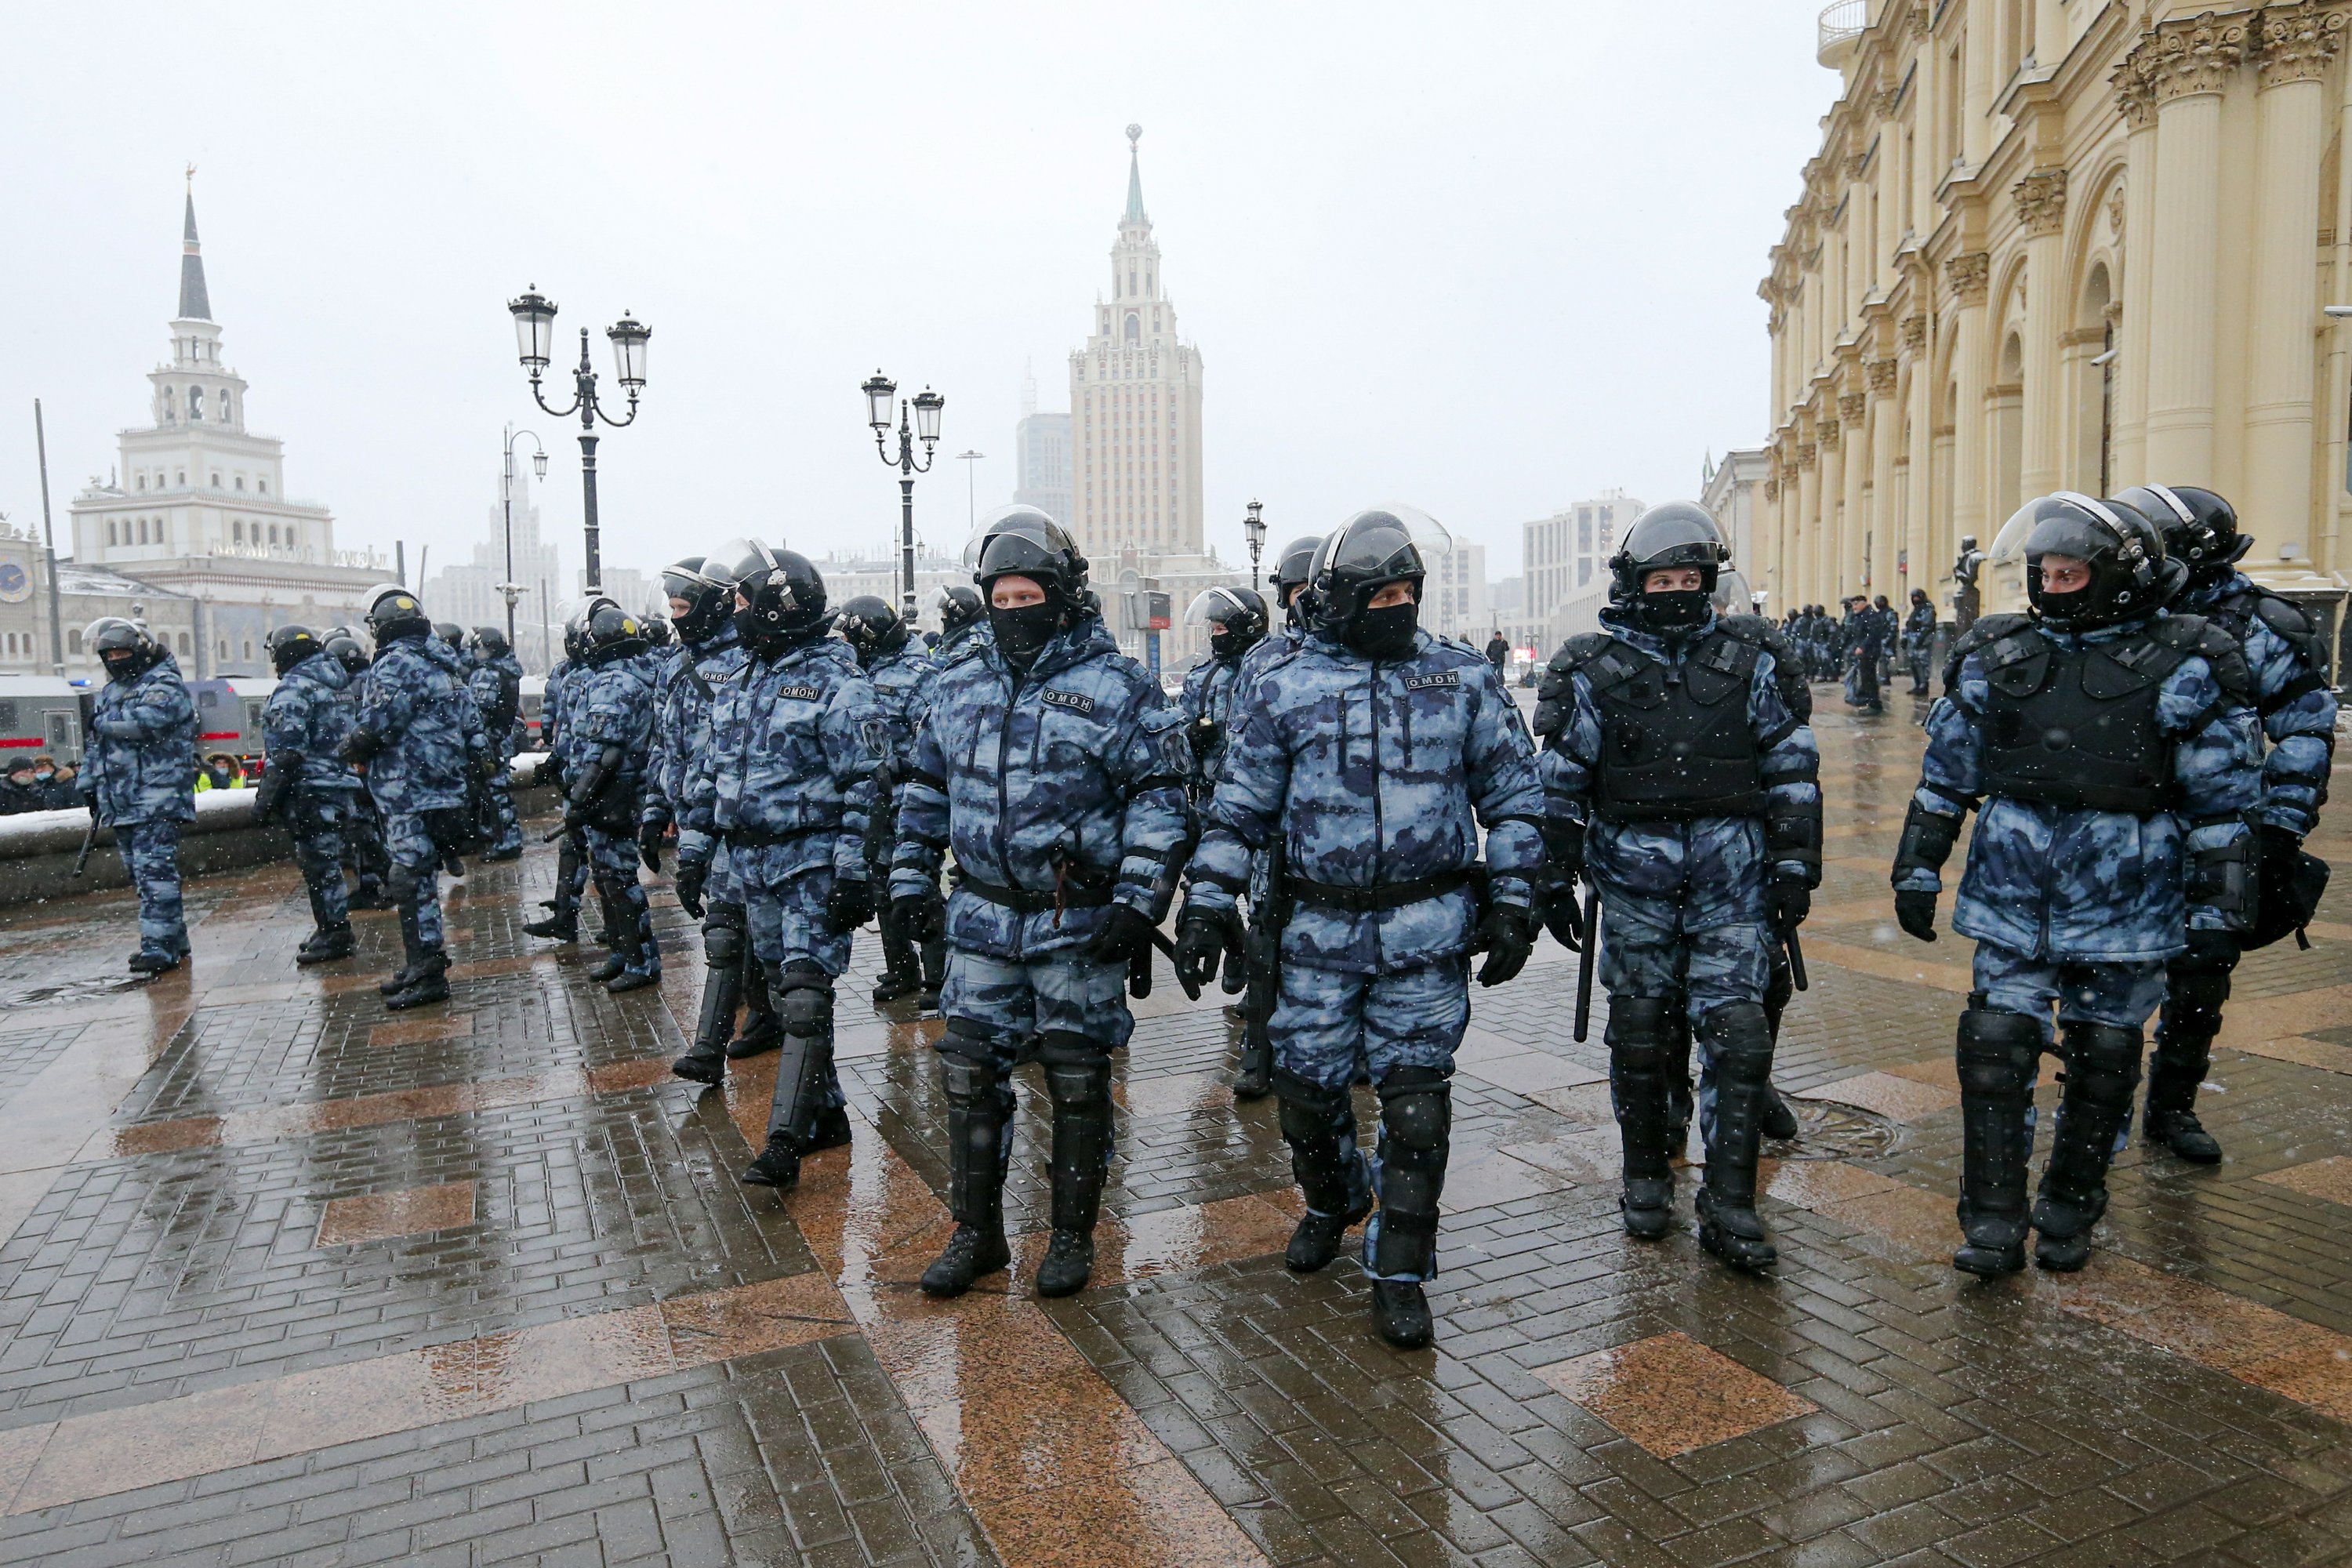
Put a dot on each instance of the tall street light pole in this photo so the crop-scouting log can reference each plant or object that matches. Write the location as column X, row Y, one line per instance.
column 881, row 392
column 534, row 318
column 509, row 589
column 49, row 547
column 970, row 486
column 1254, row 528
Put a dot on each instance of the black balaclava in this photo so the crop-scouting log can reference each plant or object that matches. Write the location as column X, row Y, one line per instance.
column 1384, row 632
column 1672, row 612
column 1021, row 632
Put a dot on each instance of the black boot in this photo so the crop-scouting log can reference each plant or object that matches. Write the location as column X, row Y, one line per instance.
column 935, row 969
column 804, row 993
column 1999, row 1056
column 563, row 925
column 2175, row 1069
column 1740, row 1043
column 762, row 1030
column 326, row 944
column 1639, row 1069
column 2101, row 1072
column 1780, row 1121
column 1416, row 1134
column 411, row 948
column 1082, row 1140
column 1319, row 1124
column 979, row 1103
column 902, row 971
column 722, row 990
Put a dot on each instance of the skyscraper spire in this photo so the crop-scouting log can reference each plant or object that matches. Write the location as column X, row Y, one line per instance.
column 195, row 304
column 1134, row 178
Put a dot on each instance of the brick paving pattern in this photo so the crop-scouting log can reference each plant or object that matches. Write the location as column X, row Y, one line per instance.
column 284, row 1279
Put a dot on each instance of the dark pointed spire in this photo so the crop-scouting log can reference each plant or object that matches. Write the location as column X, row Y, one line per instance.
column 1134, row 178
column 195, row 304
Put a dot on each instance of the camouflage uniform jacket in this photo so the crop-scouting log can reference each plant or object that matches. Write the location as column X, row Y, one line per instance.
column 1208, row 705
column 309, row 716
column 685, row 683
column 559, row 681
column 794, row 747
column 497, row 686
column 613, row 710
column 141, row 763
column 1376, row 774
column 2297, row 709
column 902, row 682
column 1660, row 860
column 413, row 700
column 1074, row 771
column 2073, row 884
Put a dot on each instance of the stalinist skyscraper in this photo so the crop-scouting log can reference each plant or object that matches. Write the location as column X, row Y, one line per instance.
column 1135, row 406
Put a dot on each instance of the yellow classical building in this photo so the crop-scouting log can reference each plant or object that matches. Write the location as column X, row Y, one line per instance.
column 2060, row 244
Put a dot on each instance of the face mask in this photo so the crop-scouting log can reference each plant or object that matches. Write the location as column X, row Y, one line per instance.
column 1224, row 644
column 1023, row 633
column 1678, row 611
column 1384, row 632
column 2059, row 609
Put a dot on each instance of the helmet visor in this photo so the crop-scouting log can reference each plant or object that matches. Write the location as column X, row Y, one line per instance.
column 1216, row 607
column 737, row 559
column 1673, row 536
column 1732, row 595
column 1026, row 520
column 2068, row 533
column 1386, row 541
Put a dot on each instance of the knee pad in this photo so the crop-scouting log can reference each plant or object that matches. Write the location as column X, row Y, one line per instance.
column 1997, row 1051
column 805, row 1002
column 1739, row 1030
column 1309, row 1109
column 1075, row 1084
column 1416, row 1108
column 1640, row 1020
column 722, row 935
column 967, row 1082
column 1060, row 1047
column 2197, row 998
column 401, row 883
column 2102, row 1063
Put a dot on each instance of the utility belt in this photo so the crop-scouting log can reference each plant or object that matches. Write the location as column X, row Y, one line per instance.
column 759, row 838
column 1378, row 901
column 1073, row 894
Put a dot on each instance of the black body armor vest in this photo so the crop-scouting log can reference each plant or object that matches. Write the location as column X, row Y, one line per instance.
column 2078, row 727
column 1676, row 744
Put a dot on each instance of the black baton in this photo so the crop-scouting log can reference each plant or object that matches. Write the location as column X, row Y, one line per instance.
column 1796, row 962
column 1585, row 963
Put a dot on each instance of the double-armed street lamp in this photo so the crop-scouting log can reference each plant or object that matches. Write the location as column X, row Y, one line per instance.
column 534, row 316
column 1254, row 526
column 509, row 589
column 881, row 392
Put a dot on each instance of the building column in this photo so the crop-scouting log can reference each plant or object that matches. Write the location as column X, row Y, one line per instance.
column 1919, row 452
column 2041, row 200
column 1853, row 417
column 1976, row 84
column 2291, row 123
column 2193, row 64
column 1885, row 541
column 1806, row 543
column 2136, row 102
column 1971, row 276
column 1829, row 551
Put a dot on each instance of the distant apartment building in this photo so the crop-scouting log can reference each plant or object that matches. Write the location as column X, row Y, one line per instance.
column 1567, row 554
column 1453, row 599
column 1040, row 456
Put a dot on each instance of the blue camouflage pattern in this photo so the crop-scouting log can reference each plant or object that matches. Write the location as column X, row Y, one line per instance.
column 2123, row 996
column 307, row 717
column 2074, row 885
column 554, row 696
column 414, row 700
column 140, row 764
column 613, row 861
column 1012, row 999
column 488, row 680
column 414, row 854
column 686, row 680
column 1327, row 1021
column 794, row 744
column 316, row 824
column 1376, row 773
column 1208, row 699
column 783, row 906
column 2301, row 728
column 1681, row 897
column 1078, row 766
column 612, row 707
column 901, row 682
column 151, row 854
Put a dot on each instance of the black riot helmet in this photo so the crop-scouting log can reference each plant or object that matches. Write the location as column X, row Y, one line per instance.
column 488, row 643
column 392, row 611
column 453, row 633
column 957, row 608
column 575, row 635
column 289, row 645
column 612, row 633
column 659, row 632
column 1022, row 540
column 344, row 645
column 2130, row 576
column 783, row 601
column 2199, row 529
column 1294, row 565
column 709, row 595
column 1370, row 552
column 1236, row 618
column 869, row 625
column 122, row 646
column 1732, row 595
column 1918, row 597
column 1673, row 535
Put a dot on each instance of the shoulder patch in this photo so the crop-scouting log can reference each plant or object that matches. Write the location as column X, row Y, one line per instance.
column 801, row 693
column 1076, row 701
column 1435, row 678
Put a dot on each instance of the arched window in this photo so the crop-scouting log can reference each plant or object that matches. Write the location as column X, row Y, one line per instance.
column 184, row 643
column 236, row 530
column 109, row 533
column 143, row 481
column 171, row 414
column 196, row 403
column 273, row 533
column 1134, row 328
column 248, row 647
column 224, row 411
column 240, row 481
column 142, row 531
column 264, row 485
column 73, row 642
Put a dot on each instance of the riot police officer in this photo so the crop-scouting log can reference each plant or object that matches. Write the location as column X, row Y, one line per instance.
column 786, row 784
column 419, row 737
column 902, row 672
column 1919, row 640
column 710, row 655
column 303, row 726
column 962, row 617
column 564, row 683
column 2288, row 661
column 610, row 724
column 2110, row 752
column 1054, row 766
column 1373, row 754
column 1684, row 789
column 496, row 682
column 139, row 778
column 369, row 862
column 1235, row 621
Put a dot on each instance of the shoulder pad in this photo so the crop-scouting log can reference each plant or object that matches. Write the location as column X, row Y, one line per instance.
column 2222, row 654
column 1754, row 630
column 1553, row 688
column 1578, row 650
column 2281, row 614
column 1982, row 633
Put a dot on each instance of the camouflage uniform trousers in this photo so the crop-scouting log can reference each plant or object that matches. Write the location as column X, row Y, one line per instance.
column 371, row 862
column 150, row 854
column 417, row 857
column 612, row 858
column 1645, row 952
column 1000, row 1007
column 1326, row 1020
column 317, row 824
column 2123, row 996
column 504, row 827
column 784, row 912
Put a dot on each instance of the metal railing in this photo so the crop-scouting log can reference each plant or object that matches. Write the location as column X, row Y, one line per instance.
column 1843, row 22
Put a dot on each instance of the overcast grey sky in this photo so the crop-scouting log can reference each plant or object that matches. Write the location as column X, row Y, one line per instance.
column 1486, row 258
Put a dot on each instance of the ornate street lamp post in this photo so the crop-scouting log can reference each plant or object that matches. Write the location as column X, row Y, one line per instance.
column 534, row 316
column 1253, row 525
column 510, row 590
column 881, row 392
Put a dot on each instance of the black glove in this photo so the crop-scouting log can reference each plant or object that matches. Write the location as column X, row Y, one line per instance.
column 1124, row 931
column 1200, row 941
column 2210, row 950
column 849, row 905
column 1787, row 902
column 1204, row 735
column 921, row 917
column 1507, row 936
column 691, row 876
column 649, row 843
column 1563, row 916
column 1915, row 913
column 486, row 766
column 2276, row 856
column 359, row 745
